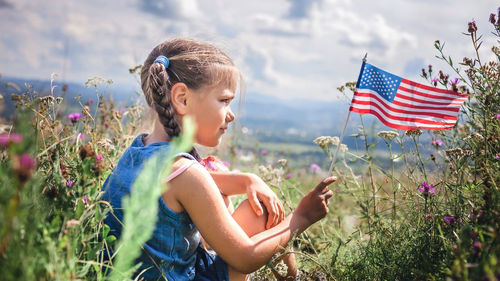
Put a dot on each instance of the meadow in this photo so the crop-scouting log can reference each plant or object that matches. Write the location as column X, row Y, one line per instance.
column 426, row 207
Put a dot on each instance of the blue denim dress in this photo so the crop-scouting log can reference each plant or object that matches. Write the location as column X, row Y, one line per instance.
column 174, row 252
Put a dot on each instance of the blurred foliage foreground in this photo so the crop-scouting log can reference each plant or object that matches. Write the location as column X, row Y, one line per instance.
column 436, row 219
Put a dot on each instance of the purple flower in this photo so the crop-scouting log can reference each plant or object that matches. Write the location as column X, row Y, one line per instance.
column 492, row 18
column 263, row 152
column 98, row 157
column 70, row 183
column 450, row 219
column 24, row 165
column 497, row 156
column 314, row 167
column 437, row 143
column 472, row 26
column 226, row 163
column 74, row 117
column 289, row 176
column 477, row 246
column 427, row 189
column 498, row 116
column 454, row 82
column 85, row 199
column 6, row 139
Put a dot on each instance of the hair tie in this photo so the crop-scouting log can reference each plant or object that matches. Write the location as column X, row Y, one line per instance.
column 163, row 60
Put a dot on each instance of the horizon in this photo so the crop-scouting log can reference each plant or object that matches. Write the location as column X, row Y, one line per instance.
column 288, row 48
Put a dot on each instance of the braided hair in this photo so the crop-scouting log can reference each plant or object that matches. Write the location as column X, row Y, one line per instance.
column 196, row 64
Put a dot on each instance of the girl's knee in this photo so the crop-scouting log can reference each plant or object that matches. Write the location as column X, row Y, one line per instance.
column 248, row 220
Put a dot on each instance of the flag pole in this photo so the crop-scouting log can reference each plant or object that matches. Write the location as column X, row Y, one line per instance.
column 330, row 171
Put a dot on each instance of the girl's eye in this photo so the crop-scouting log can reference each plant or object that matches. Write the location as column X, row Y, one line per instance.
column 226, row 101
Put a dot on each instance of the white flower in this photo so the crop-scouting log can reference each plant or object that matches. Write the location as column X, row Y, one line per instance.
column 343, row 148
column 387, row 134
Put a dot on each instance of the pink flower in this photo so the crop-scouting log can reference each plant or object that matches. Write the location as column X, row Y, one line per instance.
column 70, row 183
column 427, row 189
column 226, row 163
column 437, row 143
column 24, row 165
column 450, row 219
column 289, row 176
column 85, row 199
column 74, row 117
column 6, row 139
column 211, row 163
column 263, row 152
column 498, row 116
column 497, row 156
column 98, row 157
column 314, row 168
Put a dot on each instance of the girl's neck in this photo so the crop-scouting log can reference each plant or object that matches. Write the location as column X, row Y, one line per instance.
column 157, row 135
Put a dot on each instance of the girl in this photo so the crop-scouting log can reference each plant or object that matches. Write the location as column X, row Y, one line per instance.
column 183, row 77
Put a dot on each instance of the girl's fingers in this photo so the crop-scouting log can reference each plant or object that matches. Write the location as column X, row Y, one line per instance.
column 324, row 183
column 254, row 202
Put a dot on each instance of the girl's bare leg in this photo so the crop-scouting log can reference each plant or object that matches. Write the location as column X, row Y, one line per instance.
column 252, row 224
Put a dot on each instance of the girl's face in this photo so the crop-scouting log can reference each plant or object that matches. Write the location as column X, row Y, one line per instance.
column 210, row 109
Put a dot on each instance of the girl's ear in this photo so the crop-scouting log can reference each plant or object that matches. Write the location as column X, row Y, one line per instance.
column 178, row 96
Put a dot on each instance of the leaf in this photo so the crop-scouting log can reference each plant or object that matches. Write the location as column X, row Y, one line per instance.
column 79, row 208
column 140, row 208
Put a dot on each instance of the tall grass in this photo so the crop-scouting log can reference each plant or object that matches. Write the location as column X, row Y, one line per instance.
column 431, row 215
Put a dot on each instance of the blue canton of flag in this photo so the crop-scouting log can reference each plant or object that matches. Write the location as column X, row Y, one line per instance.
column 382, row 82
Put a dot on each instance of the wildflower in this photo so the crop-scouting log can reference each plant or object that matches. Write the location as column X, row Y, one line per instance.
column 416, row 132
column 437, row 143
column 477, row 136
column 70, row 183
column 477, row 246
column 343, row 148
column 387, row 134
column 435, row 81
column 211, row 163
column 314, row 168
column 98, row 157
column 85, row 199
column 289, row 176
column 498, row 116
column 430, row 68
column 497, row 156
column 325, row 141
column 427, row 189
column 450, row 219
column 24, row 165
column 74, row 117
column 472, row 27
column 283, row 162
column 492, row 18
column 6, row 139
column 263, row 152
column 226, row 163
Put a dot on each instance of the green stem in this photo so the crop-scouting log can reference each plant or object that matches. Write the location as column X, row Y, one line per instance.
column 370, row 170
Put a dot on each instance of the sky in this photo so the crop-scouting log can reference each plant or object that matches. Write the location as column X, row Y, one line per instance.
column 289, row 49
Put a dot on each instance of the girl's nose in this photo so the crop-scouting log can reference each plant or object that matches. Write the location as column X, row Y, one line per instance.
column 229, row 116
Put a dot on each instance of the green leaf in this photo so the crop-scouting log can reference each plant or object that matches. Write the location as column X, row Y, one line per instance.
column 140, row 208
column 79, row 208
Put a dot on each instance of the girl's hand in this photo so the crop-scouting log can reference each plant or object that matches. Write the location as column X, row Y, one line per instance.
column 314, row 206
column 258, row 191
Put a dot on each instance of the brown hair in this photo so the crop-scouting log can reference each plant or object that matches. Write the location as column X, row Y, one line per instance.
column 194, row 63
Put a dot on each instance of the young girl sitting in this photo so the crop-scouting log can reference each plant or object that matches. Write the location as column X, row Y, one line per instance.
column 183, row 77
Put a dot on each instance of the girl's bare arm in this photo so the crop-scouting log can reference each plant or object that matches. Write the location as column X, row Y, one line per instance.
column 199, row 196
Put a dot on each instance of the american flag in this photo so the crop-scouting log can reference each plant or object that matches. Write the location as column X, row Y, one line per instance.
column 403, row 104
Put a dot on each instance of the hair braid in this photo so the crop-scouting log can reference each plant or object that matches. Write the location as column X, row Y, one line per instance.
column 161, row 101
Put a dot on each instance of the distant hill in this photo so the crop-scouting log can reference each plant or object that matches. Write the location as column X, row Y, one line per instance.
column 268, row 118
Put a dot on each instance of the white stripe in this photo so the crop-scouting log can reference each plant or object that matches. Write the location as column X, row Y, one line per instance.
column 415, row 96
column 404, row 123
column 431, row 92
column 428, row 118
column 415, row 103
column 410, row 109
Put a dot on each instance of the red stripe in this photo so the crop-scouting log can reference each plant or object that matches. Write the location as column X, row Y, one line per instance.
column 438, row 115
column 411, row 91
column 403, row 96
column 406, row 119
column 395, row 126
column 425, row 87
column 370, row 95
